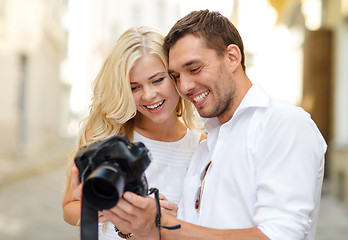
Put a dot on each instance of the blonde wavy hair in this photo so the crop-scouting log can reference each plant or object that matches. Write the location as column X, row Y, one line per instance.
column 113, row 108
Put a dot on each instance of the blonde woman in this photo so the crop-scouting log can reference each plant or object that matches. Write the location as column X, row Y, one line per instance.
column 134, row 96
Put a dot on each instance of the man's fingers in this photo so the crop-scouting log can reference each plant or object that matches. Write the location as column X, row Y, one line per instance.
column 169, row 212
column 169, row 207
column 162, row 197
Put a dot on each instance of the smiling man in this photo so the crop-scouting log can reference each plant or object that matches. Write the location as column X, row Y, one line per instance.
column 259, row 174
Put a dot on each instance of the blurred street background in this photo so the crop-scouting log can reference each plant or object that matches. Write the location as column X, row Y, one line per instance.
column 51, row 50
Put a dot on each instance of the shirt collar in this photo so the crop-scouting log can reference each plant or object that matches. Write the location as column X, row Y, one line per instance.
column 255, row 97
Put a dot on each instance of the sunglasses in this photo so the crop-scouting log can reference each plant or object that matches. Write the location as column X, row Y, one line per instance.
column 200, row 189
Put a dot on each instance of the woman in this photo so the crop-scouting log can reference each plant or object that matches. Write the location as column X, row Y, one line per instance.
column 134, row 96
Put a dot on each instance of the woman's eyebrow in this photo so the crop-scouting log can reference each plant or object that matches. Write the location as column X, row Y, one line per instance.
column 155, row 75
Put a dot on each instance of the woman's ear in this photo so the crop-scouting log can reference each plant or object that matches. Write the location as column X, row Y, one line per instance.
column 234, row 56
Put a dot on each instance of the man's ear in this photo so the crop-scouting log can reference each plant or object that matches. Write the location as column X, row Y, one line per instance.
column 234, row 56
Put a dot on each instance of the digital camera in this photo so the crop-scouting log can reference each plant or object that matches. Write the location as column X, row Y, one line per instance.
column 110, row 167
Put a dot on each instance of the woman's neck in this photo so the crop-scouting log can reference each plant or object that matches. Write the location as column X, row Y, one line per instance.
column 170, row 131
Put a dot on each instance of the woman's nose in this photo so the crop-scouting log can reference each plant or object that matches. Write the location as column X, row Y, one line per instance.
column 149, row 93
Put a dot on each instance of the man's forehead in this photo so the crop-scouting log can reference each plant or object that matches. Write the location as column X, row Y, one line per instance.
column 187, row 41
column 184, row 52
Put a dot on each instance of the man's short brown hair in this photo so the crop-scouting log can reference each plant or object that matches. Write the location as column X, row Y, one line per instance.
column 216, row 31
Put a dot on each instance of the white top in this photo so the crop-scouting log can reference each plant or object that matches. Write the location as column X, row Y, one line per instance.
column 167, row 170
column 267, row 171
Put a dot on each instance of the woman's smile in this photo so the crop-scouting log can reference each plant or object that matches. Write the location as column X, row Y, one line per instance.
column 155, row 105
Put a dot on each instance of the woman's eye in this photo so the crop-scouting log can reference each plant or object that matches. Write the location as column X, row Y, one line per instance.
column 134, row 88
column 158, row 80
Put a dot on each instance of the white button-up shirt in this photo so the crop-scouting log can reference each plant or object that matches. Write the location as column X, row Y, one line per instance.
column 267, row 171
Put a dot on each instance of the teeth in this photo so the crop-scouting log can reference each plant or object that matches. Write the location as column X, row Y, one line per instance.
column 154, row 106
column 201, row 97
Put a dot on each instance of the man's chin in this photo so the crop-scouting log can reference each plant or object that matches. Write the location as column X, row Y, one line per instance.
column 204, row 114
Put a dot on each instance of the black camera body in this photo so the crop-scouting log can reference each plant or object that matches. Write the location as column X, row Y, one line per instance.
column 110, row 167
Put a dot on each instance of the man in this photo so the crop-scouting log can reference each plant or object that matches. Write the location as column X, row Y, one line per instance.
column 260, row 172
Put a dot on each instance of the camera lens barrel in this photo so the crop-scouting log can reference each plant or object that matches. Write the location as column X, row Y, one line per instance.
column 104, row 187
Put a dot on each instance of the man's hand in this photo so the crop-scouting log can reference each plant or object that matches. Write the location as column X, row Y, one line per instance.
column 168, row 207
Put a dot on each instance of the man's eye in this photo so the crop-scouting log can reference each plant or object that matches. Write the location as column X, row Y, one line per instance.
column 175, row 77
column 196, row 69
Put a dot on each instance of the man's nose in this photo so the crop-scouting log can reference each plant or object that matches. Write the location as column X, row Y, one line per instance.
column 185, row 85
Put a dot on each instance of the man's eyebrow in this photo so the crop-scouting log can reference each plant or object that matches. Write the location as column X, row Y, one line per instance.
column 185, row 65
column 190, row 63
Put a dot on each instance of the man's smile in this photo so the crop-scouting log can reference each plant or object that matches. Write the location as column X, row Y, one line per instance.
column 201, row 96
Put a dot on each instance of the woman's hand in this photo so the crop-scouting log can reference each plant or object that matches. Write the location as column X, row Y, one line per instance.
column 135, row 214
column 76, row 184
column 71, row 201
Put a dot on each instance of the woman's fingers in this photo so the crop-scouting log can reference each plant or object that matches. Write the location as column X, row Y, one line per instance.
column 75, row 182
column 75, row 177
column 134, row 213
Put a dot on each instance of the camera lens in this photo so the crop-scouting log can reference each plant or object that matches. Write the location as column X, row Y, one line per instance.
column 104, row 186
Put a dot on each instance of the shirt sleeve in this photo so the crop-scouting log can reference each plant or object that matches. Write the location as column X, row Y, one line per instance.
column 288, row 165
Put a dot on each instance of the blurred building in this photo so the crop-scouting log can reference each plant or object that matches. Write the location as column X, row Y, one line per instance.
column 50, row 52
column 32, row 45
column 336, row 21
column 325, row 77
